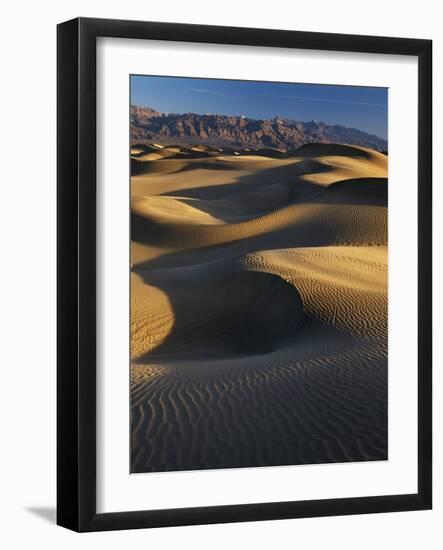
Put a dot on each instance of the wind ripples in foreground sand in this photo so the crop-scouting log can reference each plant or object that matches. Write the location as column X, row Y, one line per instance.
column 259, row 308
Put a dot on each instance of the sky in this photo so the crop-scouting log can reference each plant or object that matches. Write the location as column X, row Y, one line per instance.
column 364, row 108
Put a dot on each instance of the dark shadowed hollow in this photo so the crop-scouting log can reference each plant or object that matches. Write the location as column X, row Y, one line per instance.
column 227, row 314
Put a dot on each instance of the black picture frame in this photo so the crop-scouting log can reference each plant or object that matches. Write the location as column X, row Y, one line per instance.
column 76, row 297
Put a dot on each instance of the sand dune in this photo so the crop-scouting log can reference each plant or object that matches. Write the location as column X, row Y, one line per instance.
column 259, row 307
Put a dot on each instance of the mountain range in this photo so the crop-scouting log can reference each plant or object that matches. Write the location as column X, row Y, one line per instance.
column 149, row 125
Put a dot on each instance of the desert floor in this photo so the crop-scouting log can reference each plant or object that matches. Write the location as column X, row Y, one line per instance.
column 258, row 307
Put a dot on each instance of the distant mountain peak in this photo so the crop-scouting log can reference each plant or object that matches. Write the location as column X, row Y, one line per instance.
column 147, row 124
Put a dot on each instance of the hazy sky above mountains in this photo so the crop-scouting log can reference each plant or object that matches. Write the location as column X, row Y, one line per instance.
column 358, row 107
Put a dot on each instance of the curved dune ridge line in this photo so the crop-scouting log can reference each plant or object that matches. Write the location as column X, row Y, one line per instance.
column 259, row 308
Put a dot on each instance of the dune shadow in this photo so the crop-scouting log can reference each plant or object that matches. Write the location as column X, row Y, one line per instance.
column 201, row 165
column 316, row 149
column 355, row 191
column 277, row 239
column 260, row 179
column 224, row 311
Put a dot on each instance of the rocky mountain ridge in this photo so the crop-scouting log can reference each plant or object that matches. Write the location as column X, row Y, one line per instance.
column 149, row 125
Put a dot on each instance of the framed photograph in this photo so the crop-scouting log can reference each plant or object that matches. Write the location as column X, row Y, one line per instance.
column 244, row 274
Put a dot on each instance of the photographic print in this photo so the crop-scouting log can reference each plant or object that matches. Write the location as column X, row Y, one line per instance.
column 258, row 273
